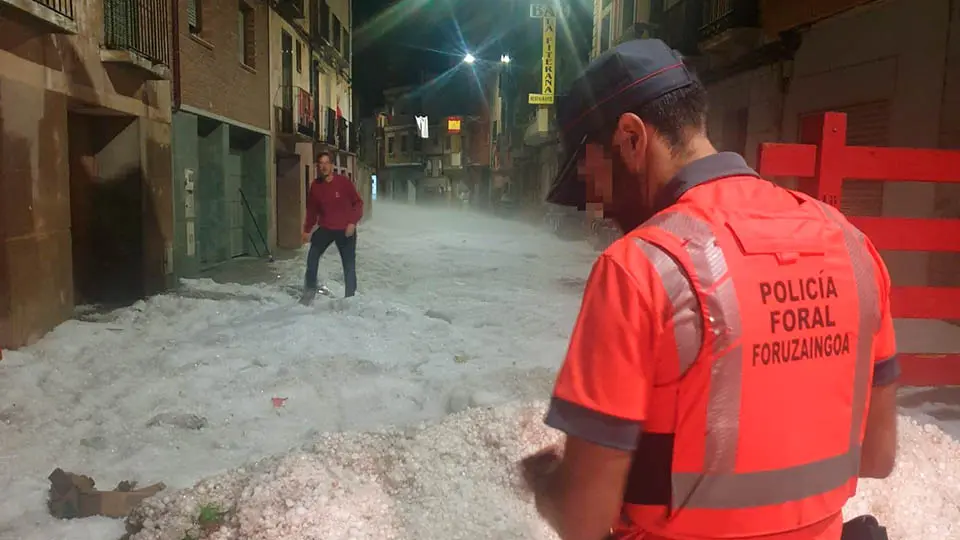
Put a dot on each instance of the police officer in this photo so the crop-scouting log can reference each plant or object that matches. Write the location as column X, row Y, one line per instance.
column 731, row 373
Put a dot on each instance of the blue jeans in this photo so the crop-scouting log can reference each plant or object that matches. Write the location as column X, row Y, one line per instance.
column 346, row 245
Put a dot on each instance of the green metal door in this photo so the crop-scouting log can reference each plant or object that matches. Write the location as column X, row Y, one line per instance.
column 235, row 210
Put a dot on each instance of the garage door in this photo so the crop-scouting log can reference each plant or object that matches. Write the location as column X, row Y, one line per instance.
column 867, row 125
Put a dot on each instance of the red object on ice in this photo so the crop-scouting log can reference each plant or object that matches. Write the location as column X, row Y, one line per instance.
column 278, row 402
column 823, row 161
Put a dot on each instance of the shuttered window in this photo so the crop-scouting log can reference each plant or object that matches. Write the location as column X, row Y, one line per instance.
column 194, row 15
column 868, row 124
column 337, row 36
column 627, row 15
column 246, row 34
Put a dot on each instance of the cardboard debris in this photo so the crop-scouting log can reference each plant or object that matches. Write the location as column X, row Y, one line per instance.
column 74, row 496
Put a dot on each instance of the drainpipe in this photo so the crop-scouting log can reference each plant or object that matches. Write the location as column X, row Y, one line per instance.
column 175, row 46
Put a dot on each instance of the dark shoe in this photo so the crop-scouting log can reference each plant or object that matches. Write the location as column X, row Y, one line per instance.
column 309, row 293
column 863, row 528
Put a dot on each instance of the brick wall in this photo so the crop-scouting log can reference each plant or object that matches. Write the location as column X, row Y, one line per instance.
column 212, row 74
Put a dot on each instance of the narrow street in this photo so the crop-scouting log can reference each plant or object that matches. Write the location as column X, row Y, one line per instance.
column 457, row 310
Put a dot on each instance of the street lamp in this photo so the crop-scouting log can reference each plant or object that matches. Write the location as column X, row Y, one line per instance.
column 469, row 58
column 504, row 58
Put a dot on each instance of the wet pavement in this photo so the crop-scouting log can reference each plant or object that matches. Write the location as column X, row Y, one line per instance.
column 249, row 270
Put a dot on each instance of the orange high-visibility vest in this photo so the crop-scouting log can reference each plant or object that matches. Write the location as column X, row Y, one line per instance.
column 759, row 431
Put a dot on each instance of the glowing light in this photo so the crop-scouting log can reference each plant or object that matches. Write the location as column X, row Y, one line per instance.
column 469, row 58
column 504, row 58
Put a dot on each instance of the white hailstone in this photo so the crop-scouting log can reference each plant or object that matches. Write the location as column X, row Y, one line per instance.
column 415, row 482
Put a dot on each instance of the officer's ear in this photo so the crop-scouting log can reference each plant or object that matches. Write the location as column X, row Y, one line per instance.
column 631, row 139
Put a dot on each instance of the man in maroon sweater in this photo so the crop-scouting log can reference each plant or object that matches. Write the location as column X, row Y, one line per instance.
column 334, row 207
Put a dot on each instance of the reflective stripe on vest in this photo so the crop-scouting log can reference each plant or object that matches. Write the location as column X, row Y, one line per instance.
column 719, row 486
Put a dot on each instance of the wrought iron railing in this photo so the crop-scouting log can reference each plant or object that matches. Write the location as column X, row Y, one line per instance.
column 295, row 112
column 284, row 116
column 290, row 8
column 139, row 26
column 342, row 133
column 306, row 120
column 329, row 127
column 722, row 15
column 679, row 25
column 61, row 7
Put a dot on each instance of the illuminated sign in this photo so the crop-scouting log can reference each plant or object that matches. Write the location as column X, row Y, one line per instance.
column 549, row 56
column 539, row 99
column 453, row 124
column 539, row 11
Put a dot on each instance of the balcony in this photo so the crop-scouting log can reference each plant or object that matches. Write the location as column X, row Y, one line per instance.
column 679, row 23
column 329, row 121
column 342, row 131
column 730, row 27
column 541, row 128
column 783, row 15
column 719, row 28
column 355, row 138
column 294, row 117
column 352, row 139
column 55, row 16
column 291, row 9
column 320, row 23
column 136, row 34
column 638, row 30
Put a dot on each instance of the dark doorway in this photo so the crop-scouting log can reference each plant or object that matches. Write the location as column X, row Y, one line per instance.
column 106, row 209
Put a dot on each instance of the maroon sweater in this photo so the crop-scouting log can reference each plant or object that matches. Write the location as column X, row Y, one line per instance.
column 333, row 205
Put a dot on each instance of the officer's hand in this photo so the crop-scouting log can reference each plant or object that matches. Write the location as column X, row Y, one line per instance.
column 305, row 237
column 538, row 467
column 350, row 230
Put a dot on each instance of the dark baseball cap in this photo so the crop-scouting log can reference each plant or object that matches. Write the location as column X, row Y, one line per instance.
column 620, row 80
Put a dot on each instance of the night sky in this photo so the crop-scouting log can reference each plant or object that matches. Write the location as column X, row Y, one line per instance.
column 394, row 40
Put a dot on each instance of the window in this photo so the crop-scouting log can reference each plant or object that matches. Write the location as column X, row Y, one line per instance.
column 403, row 144
column 323, row 21
column 449, row 143
column 346, row 44
column 195, row 16
column 390, row 145
column 247, row 32
column 605, row 33
column 299, row 59
column 627, row 15
column 337, row 34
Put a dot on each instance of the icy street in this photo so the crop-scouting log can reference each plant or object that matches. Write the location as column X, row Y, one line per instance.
column 456, row 310
column 93, row 397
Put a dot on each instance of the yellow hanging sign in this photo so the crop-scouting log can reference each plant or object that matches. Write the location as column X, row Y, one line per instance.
column 547, row 86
